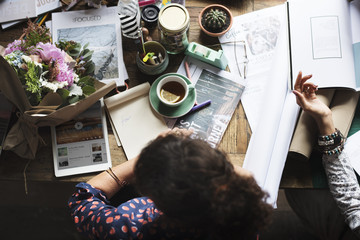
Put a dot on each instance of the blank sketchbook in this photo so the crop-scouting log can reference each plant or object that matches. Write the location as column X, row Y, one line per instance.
column 135, row 122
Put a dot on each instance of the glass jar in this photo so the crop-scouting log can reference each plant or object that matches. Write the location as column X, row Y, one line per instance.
column 174, row 23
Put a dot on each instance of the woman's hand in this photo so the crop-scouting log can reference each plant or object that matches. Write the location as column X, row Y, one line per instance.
column 305, row 93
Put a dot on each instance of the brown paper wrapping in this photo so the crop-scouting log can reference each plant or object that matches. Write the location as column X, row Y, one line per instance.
column 342, row 104
column 23, row 137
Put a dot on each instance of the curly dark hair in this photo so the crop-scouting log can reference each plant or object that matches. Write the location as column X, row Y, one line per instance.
column 196, row 185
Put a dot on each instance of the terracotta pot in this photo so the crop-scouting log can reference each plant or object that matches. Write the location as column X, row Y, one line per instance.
column 216, row 6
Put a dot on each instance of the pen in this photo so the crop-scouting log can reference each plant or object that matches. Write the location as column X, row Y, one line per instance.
column 200, row 106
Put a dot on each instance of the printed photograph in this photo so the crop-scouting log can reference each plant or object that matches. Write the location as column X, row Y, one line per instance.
column 105, row 48
column 62, row 152
column 63, row 162
column 96, row 147
column 263, row 35
column 97, row 157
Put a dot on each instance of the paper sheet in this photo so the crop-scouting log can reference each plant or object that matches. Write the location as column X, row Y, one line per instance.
column 321, row 42
column 135, row 122
column 269, row 143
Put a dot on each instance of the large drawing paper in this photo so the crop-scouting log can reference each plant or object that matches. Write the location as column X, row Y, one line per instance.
column 269, row 143
column 259, row 30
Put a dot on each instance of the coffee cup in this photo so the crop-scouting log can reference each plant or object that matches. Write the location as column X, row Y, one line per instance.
column 173, row 90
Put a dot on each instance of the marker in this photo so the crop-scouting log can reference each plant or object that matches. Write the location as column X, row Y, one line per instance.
column 148, row 56
column 200, row 106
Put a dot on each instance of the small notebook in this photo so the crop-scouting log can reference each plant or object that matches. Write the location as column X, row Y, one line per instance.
column 133, row 118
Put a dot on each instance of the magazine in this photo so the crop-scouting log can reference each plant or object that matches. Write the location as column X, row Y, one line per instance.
column 11, row 10
column 81, row 145
column 100, row 28
column 223, row 89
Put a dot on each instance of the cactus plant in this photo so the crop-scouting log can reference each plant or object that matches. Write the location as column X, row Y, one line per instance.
column 215, row 19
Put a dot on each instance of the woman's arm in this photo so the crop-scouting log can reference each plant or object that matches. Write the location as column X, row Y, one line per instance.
column 342, row 181
column 112, row 180
column 123, row 172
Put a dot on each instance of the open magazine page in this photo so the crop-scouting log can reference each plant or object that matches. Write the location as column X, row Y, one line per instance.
column 81, row 145
column 224, row 92
column 253, row 38
column 100, row 28
column 321, row 42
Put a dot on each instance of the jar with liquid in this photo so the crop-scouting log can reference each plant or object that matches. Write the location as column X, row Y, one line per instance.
column 174, row 23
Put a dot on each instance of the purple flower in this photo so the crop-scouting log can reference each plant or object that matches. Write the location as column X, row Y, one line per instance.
column 15, row 45
column 50, row 52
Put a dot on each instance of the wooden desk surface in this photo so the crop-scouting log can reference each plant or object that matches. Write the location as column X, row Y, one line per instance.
column 234, row 142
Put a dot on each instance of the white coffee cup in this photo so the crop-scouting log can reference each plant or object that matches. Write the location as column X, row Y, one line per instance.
column 177, row 87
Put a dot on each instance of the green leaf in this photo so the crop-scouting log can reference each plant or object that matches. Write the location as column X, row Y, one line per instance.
column 87, row 56
column 87, row 90
column 73, row 99
column 64, row 93
column 87, row 80
column 86, row 45
column 90, row 69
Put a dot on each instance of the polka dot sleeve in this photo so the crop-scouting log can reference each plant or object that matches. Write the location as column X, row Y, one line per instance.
column 96, row 219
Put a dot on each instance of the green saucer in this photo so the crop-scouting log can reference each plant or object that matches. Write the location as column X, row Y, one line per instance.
column 171, row 112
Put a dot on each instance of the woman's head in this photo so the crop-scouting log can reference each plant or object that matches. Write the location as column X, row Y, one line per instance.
column 196, row 185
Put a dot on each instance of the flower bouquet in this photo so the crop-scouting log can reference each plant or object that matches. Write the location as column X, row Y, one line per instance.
column 48, row 83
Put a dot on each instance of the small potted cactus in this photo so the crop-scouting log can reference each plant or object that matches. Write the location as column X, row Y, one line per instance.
column 215, row 20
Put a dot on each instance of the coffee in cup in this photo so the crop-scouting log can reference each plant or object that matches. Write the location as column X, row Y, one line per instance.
column 173, row 90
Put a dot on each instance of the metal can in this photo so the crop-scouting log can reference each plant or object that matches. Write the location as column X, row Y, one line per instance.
column 174, row 23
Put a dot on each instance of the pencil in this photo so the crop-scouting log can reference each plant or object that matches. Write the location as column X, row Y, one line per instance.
column 43, row 19
column 187, row 70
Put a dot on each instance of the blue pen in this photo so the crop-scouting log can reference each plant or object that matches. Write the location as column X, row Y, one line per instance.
column 200, row 106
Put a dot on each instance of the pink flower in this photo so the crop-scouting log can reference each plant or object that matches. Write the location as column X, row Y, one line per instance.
column 65, row 74
column 50, row 52
column 15, row 45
